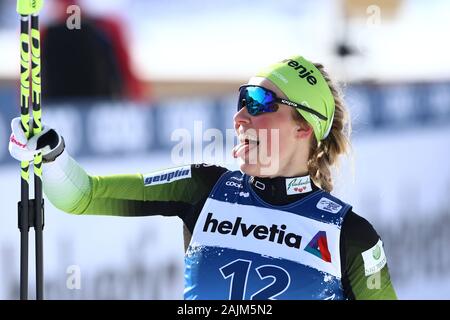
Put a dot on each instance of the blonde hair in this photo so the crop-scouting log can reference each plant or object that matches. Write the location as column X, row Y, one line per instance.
column 324, row 154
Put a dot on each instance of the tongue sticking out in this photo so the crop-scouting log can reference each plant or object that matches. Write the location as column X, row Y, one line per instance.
column 240, row 149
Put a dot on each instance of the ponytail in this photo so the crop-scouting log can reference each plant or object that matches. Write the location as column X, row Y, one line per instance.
column 324, row 154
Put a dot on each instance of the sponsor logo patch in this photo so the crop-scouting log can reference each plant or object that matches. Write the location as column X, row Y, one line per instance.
column 298, row 185
column 233, row 184
column 167, row 176
column 328, row 205
column 374, row 259
column 275, row 233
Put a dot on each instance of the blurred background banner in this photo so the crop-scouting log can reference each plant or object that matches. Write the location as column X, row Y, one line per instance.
column 149, row 68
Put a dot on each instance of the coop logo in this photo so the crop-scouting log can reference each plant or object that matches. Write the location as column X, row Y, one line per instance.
column 233, row 184
column 303, row 72
column 318, row 246
column 167, row 176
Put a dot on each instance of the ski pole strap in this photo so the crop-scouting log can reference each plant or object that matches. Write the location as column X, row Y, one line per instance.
column 27, row 7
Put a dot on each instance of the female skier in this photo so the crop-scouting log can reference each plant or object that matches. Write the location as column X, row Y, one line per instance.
column 271, row 230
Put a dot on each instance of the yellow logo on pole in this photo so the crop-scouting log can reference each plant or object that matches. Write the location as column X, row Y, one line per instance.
column 27, row 7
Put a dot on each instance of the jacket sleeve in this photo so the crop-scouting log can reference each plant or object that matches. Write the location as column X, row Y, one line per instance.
column 365, row 270
column 171, row 192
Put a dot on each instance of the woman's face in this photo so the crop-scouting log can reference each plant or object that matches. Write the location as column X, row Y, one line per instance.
column 269, row 143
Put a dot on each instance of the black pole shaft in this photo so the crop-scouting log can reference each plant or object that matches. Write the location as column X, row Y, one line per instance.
column 24, row 241
column 39, row 239
column 38, row 214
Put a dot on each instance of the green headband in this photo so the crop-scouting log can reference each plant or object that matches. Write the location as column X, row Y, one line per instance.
column 304, row 84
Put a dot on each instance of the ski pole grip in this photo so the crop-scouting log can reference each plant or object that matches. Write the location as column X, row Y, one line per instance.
column 27, row 7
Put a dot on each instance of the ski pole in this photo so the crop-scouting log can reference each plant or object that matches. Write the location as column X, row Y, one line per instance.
column 31, row 211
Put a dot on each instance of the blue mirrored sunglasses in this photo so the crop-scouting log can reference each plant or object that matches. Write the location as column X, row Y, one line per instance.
column 259, row 100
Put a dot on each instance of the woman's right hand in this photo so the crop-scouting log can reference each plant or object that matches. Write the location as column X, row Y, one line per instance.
column 48, row 141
